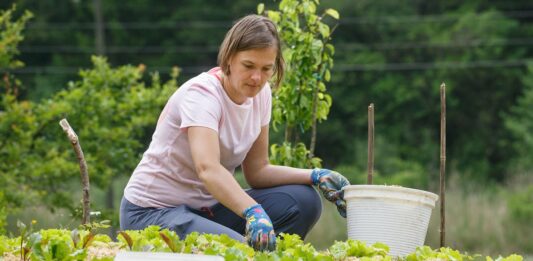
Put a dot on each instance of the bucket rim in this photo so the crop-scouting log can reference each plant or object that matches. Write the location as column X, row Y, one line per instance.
column 391, row 188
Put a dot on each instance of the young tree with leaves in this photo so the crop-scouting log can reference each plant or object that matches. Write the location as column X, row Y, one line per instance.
column 302, row 101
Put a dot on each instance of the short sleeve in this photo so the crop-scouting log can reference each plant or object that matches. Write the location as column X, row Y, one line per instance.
column 200, row 107
column 266, row 105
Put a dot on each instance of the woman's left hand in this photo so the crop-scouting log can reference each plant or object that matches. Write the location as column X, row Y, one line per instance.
column 259, row 229
column 331, row 184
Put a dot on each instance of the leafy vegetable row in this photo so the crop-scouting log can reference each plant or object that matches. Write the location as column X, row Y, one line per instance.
column 82, row 244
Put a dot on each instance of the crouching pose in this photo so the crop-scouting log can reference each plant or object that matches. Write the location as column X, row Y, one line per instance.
column 214, row 123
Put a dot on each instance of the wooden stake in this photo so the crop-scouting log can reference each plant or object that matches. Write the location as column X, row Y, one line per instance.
column 442, row 164
column 370, row 165
column 83, row 168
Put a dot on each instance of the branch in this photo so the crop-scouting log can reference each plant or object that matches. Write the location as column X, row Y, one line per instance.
column 83, row 168
column 321, row 69
column 314, row 120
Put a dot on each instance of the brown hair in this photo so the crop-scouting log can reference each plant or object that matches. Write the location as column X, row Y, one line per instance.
column 251, row 32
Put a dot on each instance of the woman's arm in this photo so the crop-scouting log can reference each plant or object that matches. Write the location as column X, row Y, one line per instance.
column 259, row 173
column 218, row 180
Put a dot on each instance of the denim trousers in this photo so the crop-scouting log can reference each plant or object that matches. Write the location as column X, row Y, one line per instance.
column 293, row 209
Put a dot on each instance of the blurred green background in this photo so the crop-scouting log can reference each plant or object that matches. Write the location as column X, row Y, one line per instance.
column 394, row 54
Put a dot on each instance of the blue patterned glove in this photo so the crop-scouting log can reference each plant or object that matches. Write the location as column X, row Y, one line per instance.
column 331, row 184
column 259, row 231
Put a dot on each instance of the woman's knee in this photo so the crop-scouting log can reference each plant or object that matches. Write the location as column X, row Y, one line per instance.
column 307, row 207
column 308, row 202
column 299, row 203
column 293, row 208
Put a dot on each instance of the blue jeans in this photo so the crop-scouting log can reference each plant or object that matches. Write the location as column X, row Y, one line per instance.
column 293, row 209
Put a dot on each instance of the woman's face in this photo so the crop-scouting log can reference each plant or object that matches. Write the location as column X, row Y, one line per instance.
column 249, row 72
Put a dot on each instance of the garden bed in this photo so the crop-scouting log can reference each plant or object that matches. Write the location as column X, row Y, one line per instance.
column 61, row 244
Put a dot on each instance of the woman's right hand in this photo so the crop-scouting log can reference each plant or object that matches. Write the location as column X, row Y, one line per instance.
column 331, row 184
column 259, row 230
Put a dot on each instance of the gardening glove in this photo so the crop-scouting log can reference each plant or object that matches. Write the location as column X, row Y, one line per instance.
column 259, row 231
column 331, row 184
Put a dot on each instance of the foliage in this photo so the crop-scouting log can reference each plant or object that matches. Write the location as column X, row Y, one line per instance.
column 341, row 250
column 520, row 214
column 61, row 39
column 520, row 123
column 397, row 55
column 387, row 52
column 16, row 119
column 60, row 244
column 391, row 53
column 392, row 171
column 149, row 239
column 111, row 109
column 301, row 100
column 17, row 123
column 113, row 112
column 287, row 155
column 425, row 253
column 10, row 37
column 520, row 204
column 54, row 244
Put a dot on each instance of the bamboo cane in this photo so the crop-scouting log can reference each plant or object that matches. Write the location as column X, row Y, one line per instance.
column 370, row 165
column 442, row 164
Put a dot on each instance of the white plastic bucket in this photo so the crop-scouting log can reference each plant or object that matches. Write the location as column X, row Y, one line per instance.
column 396, row 216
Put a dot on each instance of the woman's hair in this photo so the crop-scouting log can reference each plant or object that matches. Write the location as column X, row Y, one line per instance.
column 251, row 32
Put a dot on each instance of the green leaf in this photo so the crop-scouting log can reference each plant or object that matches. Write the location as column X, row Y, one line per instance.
column 324, row 30
column 333, row 13
column 274, row 16
column 380, row 245
column 327, row 76
column 168, row 242
column 127, row 239
column 260, row 8
column 87, row 240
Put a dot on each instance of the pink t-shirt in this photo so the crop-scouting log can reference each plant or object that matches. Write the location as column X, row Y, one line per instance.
column 166, row 176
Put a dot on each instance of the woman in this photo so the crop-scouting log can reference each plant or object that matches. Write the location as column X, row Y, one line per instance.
column 212, row 124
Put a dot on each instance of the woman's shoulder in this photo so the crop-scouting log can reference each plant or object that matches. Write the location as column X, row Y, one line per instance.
column 203, row 81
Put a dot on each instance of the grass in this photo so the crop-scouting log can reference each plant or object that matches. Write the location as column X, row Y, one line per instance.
column 479, row 220
column 328, row 229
